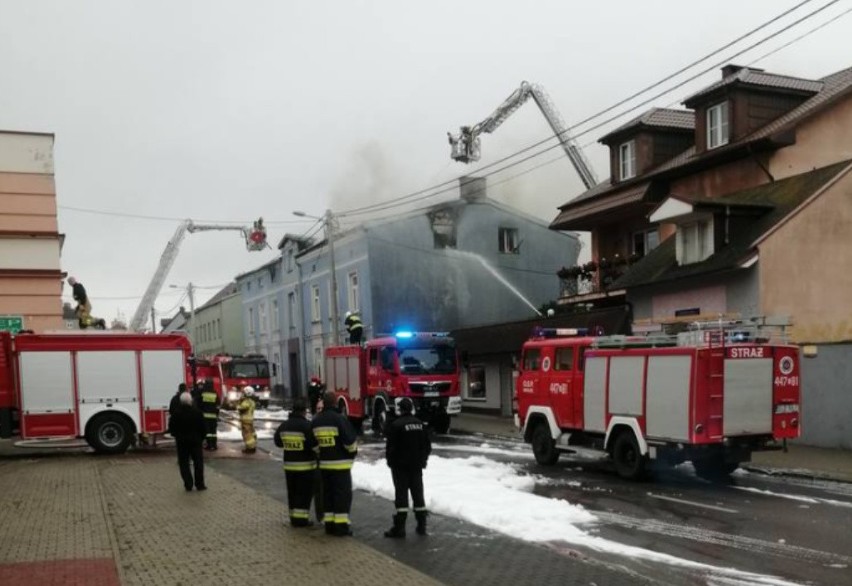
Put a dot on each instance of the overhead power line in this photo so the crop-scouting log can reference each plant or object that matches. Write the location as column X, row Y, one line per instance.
column 451, row 184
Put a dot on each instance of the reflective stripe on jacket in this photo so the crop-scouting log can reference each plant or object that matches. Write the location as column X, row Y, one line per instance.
column 298, row 442
column 210, row 404
column 336, row 439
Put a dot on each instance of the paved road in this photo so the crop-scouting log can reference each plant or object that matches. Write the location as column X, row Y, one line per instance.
column 790, row 528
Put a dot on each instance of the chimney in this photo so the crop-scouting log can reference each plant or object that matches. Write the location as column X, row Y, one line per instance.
column 472, row 188
column 731, row 69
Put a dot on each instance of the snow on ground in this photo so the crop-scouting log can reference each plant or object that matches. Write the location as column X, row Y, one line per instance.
column 499, row 496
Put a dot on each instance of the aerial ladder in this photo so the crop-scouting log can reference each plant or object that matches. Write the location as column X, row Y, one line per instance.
column 465, row 146
column 255, row 238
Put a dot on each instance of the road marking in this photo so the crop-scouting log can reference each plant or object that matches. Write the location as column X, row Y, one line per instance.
column 693, row 503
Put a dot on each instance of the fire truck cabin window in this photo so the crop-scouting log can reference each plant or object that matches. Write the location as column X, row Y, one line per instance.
column 564, row 359
column 532, row 359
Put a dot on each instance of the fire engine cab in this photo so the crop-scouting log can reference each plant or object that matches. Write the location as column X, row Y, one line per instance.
column 369, row 380
column 711, row 394
column 105, row 387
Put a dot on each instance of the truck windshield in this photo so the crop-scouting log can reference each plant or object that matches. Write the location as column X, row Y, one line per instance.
column 431, row 360
column 246, row 370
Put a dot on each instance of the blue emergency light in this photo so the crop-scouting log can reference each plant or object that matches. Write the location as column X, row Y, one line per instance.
column 404, row 335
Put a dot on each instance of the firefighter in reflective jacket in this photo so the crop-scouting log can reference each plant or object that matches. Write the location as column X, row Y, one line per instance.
column 210, row 408
column 246, row 410
column 337, row 446
column 407, row 450
column 300, row 462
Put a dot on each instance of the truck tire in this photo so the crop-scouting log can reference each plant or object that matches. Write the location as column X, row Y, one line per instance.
column 109, row 433
column 629, row 461
column 714, row 469
column 380, row 416
column 544, row 448
column 441, row 423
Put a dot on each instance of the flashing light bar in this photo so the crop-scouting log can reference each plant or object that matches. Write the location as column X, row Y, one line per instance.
column 405, row 334
column 554, row 332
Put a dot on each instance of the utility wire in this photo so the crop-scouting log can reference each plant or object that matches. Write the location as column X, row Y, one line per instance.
column 423, row 193
column 171, row 218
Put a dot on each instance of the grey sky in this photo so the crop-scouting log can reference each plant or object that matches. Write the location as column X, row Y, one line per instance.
column 227, row 111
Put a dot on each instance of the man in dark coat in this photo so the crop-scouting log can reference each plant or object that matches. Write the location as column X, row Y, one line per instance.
column 338, row 447
column 300, row 462
column 407, row 451
column 187, row 427
column 315, row 390
column 175, row 402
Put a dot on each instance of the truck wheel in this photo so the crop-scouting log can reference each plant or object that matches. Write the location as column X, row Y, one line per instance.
column 544, row 448
column 714, row 469
column 441, row 423
column 380, row 417
column 109, row 433
column 629, row 461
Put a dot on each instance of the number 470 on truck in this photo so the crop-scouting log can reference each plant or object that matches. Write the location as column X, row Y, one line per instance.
column 709, row 396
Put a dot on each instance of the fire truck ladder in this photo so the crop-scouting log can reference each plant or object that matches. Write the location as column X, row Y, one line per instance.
column 255, row 238
column 465, row 146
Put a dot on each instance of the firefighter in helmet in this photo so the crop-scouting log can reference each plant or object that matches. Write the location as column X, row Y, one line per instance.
column 210, row 407
column 246, row 410
column 354, row 327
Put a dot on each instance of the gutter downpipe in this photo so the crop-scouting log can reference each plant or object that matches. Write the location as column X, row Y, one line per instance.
column 302, row 330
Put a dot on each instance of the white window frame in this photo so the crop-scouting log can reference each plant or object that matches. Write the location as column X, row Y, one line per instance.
column 251, row 320
column 315, row 303
column 627, row 160
column 318, row 361
column 291, row 310
column 694, row 241
column 352, row 292
column 508, row 240
column 718, row 125
column 276, row 316
column 261, row 315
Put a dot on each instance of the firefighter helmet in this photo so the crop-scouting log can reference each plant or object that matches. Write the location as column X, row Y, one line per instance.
column 248, row 391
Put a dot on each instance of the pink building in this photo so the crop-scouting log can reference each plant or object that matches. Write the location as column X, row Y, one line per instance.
column 30, row 243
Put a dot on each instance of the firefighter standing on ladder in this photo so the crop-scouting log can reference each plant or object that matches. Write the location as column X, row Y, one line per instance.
column 210, row 408
column 354, row 327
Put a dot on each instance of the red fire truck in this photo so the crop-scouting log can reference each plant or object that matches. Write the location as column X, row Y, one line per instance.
column 231, row 374
column 422, row 366
column 709, row 396
column 102, row 386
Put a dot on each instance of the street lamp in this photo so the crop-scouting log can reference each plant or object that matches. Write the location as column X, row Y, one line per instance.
column 328, row 220
column 190, row 293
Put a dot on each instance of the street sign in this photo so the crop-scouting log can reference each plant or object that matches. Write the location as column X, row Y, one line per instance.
column 11, row 323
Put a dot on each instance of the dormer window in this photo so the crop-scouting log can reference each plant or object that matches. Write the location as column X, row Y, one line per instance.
column 627, row 160
column 717, row 125
column 694, row 241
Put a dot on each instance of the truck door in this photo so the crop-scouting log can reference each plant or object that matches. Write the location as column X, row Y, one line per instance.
column 561, row 385
column 529, row 391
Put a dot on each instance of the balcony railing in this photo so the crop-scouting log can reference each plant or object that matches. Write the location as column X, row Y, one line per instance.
column 593, row 277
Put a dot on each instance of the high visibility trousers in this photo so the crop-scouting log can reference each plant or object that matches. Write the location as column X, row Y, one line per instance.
column 249, row 436
column 407, row 480
column 211, row 425
column 300, row 492
column 337, row 495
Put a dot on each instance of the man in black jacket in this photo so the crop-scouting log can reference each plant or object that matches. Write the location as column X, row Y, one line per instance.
column 175, row 402
column 187, row 427
column 300, row 462
column 338, row 446
column 407, row 451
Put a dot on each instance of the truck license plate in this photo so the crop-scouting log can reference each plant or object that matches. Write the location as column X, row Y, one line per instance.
column 431, row 394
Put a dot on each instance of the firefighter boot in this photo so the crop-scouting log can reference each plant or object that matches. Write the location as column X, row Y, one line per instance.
column 421, row 522
column 398, row 529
